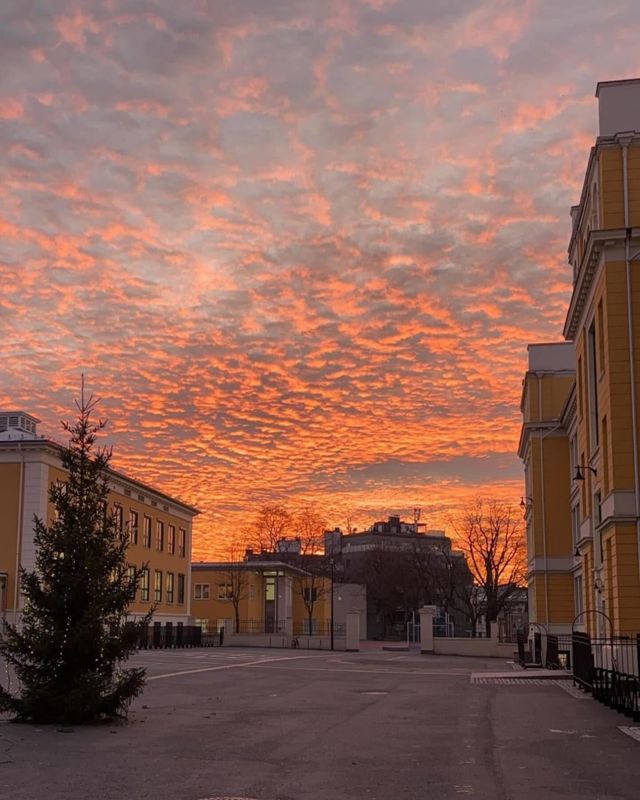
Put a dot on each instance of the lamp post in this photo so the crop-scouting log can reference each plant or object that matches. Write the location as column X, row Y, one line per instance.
column 332, row 565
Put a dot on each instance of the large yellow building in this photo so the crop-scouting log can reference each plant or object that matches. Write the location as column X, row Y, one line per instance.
column 159, row 526
column 601, row 420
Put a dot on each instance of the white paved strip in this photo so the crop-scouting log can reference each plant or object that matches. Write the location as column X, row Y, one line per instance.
column 632, row 731
column 223, row 666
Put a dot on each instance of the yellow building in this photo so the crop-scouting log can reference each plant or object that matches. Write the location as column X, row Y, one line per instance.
column 544, row 448
column 603, row 325
column 159, row 526
column 270, row 596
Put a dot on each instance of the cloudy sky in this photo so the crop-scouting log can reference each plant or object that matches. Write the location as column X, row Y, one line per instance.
column 298, row 247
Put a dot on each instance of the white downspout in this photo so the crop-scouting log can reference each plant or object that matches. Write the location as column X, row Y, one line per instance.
column 632, row 368
column 16, row 577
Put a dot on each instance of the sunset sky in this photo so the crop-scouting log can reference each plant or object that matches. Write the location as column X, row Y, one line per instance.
column 298, row 247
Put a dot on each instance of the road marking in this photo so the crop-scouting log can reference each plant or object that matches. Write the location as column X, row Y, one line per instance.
column 223, row 666
column 632, row 731
column 418, row 673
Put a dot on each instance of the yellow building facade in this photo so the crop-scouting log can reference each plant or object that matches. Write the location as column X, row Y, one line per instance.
column 544, row 449
column 270, row 597
column 601, row 418
column 159, row 526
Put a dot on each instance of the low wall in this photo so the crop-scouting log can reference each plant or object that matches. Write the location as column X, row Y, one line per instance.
column 280, row 640
column 483, row 648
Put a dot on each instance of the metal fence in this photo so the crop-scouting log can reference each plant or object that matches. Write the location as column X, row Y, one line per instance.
column 608, row 668
column 259, row 626
column 319, row 629
column 165, row 636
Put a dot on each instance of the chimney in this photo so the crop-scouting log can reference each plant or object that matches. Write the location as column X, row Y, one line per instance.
column 618, row 106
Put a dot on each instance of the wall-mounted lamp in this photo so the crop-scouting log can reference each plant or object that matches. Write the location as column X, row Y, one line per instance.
column 579, row 476
column 598, row 585
column 577, row 552
column 525, row 501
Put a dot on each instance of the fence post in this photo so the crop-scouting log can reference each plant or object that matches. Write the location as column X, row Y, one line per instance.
column 427, row 614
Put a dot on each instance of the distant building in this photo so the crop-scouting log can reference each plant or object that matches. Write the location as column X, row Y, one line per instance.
column 393, row 541
column 159, row 526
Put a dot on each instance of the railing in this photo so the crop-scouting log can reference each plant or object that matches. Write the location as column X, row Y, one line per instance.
column 260, row 626
column 609, row 669
column 169, row 635
column 319, row 629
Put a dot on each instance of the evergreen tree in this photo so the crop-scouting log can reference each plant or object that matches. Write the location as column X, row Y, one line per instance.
column 68, row 649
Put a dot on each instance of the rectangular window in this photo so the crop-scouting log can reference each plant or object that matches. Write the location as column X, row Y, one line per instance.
column 131, row 574
column 159, row 535
column 171, row 539
column 573, row 455
column 225, row 591
column 157, row 586
column 118, row 517
column 575, row 526
column 169, row 587
column 182, row 542
column 601, row 337
column 144, row 585
column 181, row 583
column 580, row 387
column 146, row 532
column 577, row 591
column 133, row 527
column 200, row 591
column 605, row 457
column 594, row 431
column 310, row 594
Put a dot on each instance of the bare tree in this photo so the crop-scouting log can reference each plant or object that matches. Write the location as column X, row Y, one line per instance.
column 237, row 578
column 491, row 536
column 272, row 523
column 309, row 526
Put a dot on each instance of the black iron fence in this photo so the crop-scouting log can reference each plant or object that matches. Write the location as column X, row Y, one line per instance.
column 169, row 635
column 259, row 626
column 609, row 669
column 317, row 628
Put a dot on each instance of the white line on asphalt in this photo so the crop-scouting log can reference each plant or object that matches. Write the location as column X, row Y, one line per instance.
column 223, row 666
column 424, row 673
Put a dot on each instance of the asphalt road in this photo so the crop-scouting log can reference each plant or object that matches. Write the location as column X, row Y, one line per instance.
column 285, row 725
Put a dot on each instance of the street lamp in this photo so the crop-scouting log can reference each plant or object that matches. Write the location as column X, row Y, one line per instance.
column 332, row 565
column 579, row 476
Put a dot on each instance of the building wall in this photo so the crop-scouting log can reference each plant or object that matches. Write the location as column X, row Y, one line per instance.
column 10, row 479
column 42, row 467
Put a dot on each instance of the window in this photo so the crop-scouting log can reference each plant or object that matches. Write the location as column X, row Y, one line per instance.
column 133, row 527
column 169, row 587
column 180, row 589
column 131, row 574
column 310, row 594
column 159, row 535
column 594, row 432
column 601, row 337
column 157, row 586
column 171, row 539
column 144, row 585
column 577, row 592
column 580, row 387
column 146, row 532
column 182, row 542
column 203, row 623
column 201, row 591
column 118, row 517
column 573, row 456
column 225, row 591
column 575, row 526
